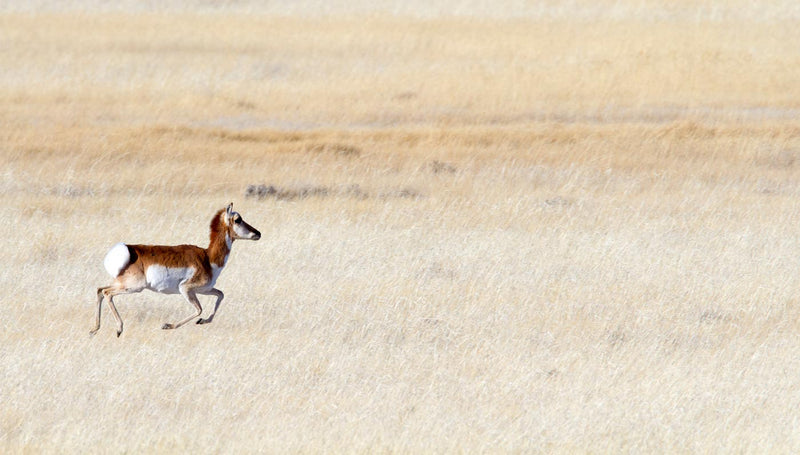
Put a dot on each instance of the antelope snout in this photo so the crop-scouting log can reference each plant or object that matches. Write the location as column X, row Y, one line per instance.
column 255, row 235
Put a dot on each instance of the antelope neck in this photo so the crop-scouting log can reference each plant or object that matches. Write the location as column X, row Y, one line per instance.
column 219, row 248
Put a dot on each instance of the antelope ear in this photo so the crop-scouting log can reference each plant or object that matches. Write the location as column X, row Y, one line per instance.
column 229, row 211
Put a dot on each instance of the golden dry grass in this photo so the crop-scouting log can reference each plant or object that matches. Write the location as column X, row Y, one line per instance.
column 568, row 232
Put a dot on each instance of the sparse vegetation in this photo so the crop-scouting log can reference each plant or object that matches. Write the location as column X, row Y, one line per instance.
column 569, row 228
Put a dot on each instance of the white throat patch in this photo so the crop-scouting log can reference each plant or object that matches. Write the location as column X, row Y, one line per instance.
column 215, row 271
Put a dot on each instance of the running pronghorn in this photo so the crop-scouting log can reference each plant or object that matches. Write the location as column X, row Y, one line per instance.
column 185, row 269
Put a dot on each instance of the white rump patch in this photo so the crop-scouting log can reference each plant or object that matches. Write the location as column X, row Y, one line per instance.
column 167, row 280
column 117, row 258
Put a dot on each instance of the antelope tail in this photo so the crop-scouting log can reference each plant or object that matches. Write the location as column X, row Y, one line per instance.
column 117, row 258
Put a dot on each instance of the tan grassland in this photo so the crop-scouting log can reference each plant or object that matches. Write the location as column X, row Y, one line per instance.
column 568, row 229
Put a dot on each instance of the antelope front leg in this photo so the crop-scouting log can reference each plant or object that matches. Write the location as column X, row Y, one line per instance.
column 191, row 297
column 220, row 296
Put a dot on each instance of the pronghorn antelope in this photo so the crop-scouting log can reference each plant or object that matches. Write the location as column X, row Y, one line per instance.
column 185, row 269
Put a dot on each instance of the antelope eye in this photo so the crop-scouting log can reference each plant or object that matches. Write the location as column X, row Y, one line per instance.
column 237, row 220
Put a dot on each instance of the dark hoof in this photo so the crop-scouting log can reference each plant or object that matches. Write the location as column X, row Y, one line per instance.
column 201, row 321
column 167, row 326
column 119, row 332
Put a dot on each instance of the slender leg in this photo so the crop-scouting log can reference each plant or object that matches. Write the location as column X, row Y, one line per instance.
column 220, row 296
column 115, row 312
column 99, row 308
column 108, row 293
column 190, row 297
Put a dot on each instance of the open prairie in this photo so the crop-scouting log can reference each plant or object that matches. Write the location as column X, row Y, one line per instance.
column 552, row 227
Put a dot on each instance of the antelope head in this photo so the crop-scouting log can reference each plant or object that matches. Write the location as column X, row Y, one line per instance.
column 237, row 227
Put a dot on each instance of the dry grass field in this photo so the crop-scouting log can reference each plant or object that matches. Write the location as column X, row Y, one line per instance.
column 548, row 228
